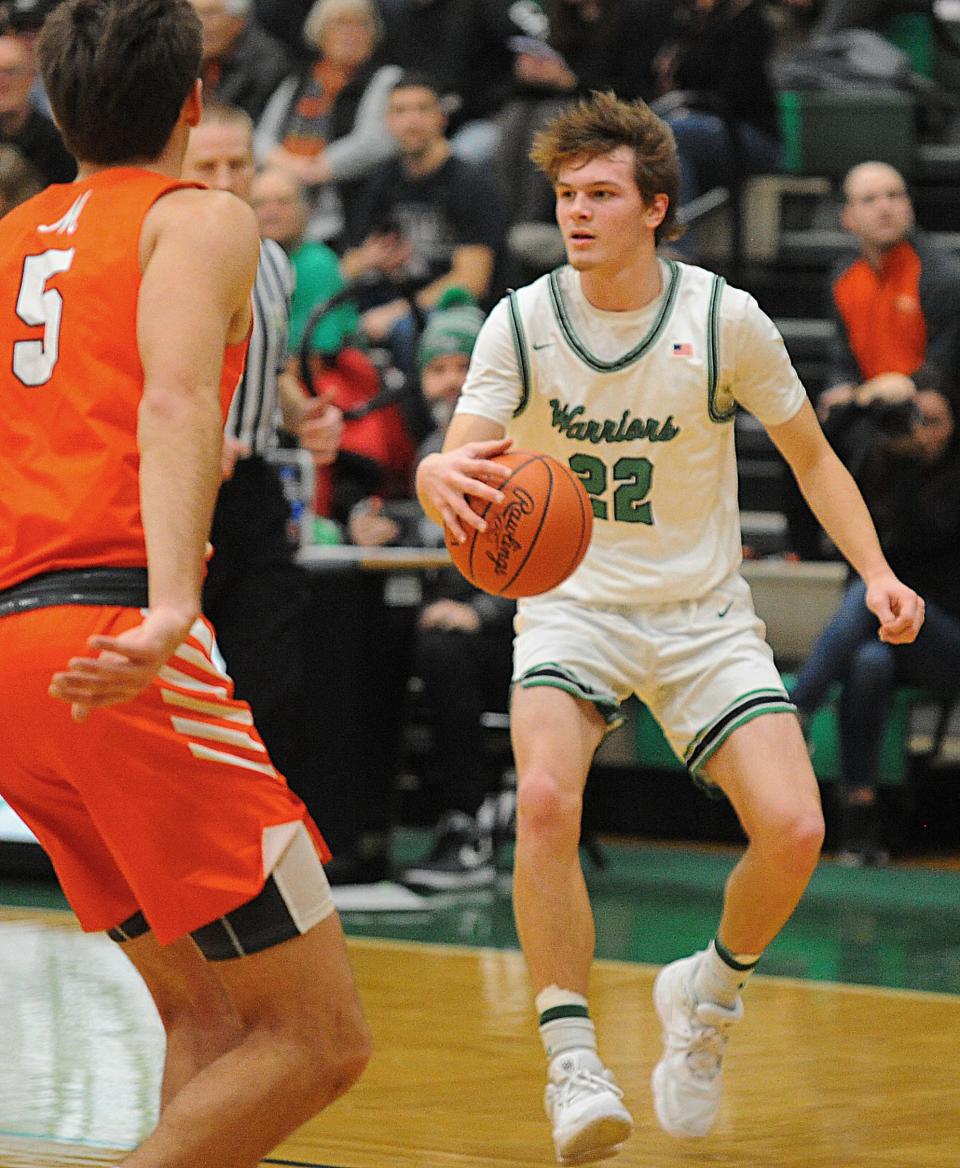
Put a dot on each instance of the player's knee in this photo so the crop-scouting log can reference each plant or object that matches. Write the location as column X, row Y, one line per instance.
column 352, row 1060
column 797, row 838
column 326, row 1067
column 547, row 810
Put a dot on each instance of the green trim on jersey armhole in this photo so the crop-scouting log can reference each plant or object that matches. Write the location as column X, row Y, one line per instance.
column 713, row 354
column 581, row 350
column 520, row 348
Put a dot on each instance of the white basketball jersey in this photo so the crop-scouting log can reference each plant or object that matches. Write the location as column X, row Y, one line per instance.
column 641, row 407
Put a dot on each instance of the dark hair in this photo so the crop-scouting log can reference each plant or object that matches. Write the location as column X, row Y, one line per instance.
column 117, row 73
column 601, row 123
column 416, row 79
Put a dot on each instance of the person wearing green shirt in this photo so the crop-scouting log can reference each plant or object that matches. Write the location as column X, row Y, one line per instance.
column 282, row 211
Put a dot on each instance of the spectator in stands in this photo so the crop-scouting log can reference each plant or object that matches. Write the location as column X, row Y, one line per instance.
column 426, row 218
column 464, row 47
column 908, row 468
column 242, row 64
column 593, row 44
column 18, row 180
column 279, row 199
column 21, row 123
column 325, row 124
column 24, row 20
column 284, row 19
column 587, row 45
column 375, row 450
column 255, row 593
column 462, row 647
column 722, row 107
column 897, row 304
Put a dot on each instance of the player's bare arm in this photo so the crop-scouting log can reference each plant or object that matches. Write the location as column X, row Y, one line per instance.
column 836, row 501
column 199, row 253
column 463, row 470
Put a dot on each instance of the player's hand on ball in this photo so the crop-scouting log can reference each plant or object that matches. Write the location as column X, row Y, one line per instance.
column 448, row 481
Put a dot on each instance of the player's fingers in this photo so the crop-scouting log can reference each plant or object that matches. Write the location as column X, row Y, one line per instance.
column 74, row 689
column 97, row 666
column 467, row 484
column 489, row 448
column 482, row 468
column 904, row 629
column 457, row 514
column 452, row 524
column 122, row 649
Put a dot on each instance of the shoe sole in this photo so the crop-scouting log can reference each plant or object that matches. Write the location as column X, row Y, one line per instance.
column 599, row 1140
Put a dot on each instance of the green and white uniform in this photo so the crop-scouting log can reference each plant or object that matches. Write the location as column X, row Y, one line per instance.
column 641, row 405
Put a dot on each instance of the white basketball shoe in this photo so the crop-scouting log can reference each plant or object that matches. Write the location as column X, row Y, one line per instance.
column 584, row 1105
column 688, row 1079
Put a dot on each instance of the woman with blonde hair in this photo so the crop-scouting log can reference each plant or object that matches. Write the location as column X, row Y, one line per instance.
column 326, row 124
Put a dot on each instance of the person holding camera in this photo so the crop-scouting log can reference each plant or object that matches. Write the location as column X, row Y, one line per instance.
column 903, row 448
column 896, row 307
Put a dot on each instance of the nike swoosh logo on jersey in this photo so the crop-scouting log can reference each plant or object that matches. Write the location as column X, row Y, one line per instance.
column 543, row 345
column 723, row 611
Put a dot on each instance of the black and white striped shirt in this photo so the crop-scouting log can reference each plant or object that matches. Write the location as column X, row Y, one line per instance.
column 254, row 411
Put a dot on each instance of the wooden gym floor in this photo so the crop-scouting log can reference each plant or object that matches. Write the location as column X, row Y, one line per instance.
column 819, row 1075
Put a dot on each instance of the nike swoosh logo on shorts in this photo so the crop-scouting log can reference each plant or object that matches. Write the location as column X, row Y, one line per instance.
column 723, row 611
column 543, row 345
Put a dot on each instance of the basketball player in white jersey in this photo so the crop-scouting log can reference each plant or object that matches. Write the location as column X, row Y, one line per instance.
column 630, row 368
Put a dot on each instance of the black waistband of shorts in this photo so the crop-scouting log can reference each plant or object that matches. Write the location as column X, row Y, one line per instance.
column 124, row 587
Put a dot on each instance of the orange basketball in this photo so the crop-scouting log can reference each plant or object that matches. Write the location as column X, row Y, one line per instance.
column 535, row 537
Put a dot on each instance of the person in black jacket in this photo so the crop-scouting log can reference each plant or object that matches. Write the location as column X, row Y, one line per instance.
column 464, row 47
column 719, row 53
column 905, row 456
column 242, row 63
column 426, row 219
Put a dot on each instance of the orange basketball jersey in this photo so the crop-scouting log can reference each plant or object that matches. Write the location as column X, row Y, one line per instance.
column 70, row 375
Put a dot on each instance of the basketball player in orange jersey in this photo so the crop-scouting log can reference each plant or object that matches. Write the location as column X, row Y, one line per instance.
column 125, row 305
column 630, row 369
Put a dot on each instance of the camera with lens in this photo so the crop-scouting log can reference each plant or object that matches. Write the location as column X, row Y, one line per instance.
column 896, row 419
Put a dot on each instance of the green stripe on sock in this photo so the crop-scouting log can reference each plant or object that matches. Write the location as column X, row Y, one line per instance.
column 556, row 1012
column 728, row 958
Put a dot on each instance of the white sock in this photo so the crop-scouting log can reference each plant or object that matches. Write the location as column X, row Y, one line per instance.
column 565, row 1022
column 715, row 980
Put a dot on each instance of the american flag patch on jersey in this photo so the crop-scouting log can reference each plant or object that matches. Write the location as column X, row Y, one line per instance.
column 682, row 349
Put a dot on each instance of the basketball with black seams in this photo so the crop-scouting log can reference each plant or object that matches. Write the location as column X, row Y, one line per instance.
column 535, row 538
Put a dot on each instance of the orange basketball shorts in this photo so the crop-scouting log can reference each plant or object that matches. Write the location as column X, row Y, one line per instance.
column 168, row 804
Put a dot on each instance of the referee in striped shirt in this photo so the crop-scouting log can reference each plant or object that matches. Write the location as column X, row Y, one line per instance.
column 256, row 595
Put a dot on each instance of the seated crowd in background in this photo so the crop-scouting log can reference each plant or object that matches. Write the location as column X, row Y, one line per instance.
column 391, row 139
